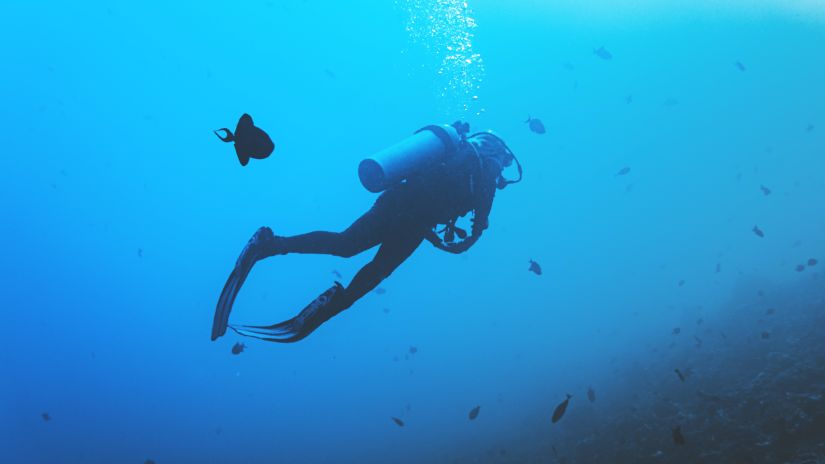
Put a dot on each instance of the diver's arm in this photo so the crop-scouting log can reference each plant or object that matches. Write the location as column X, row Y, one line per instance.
column 490, row 171
column 484, row 203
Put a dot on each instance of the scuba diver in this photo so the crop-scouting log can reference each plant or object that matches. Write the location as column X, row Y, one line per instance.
column 430, row 179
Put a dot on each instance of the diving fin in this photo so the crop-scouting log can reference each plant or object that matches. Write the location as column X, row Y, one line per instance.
column 257, row 248
column 322, row 308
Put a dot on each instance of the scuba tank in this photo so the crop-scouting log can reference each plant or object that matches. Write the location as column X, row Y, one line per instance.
column 394, row 164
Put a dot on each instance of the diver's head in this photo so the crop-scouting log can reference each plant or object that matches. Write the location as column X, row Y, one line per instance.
column 489, row 145
column 492, row 147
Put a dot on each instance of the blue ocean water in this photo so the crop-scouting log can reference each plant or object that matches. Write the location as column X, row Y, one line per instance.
column 123, row 216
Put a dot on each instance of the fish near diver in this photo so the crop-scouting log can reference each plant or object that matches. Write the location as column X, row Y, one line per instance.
column 428, row 180
column 250, row 140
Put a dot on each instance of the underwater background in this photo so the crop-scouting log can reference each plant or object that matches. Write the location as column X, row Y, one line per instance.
column 674, row 132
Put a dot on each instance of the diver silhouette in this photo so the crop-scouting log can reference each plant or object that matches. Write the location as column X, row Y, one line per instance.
column 429, row 179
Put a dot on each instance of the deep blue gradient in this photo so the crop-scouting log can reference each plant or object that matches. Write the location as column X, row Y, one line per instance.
column 108, row 111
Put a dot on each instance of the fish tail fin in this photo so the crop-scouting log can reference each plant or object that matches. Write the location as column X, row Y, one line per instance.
column 229, row 137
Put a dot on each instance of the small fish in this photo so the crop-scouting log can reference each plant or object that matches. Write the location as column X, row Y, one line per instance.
column 386, row 310
column 682, row 283
column 699, row 321
column 765, row 190
column 799, row 267
column 678, row 438
column 810, row 128
column 149, row 461
column 413, row 350
column 623, row 171
column 740, row 66
column 591, row 395
column 766, row 335
column 677, row 330
column 812, row 262
column 397, row 421
column 535, row 268
column 329, row 73
column 718, row 268
column 238, row 348
column 602, row 53
column 380, row 290
column 698, row 341
column 679, row 373
column 558, row 413
column 770, row 311
column 535, row 125
column 758, row 232
column 474, row 413
column 46, row 417
column 337, row 274
column 250, row 141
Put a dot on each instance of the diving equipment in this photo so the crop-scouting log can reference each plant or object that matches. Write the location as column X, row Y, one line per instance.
column 327, row 305
column 262, row 244
column 394, row 164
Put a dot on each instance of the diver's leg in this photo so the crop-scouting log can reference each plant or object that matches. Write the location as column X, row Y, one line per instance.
column 338, row 298
column 391, row 254
column 365, row 233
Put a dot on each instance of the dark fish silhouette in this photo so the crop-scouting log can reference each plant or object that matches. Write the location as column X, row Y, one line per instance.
column 770, row 311
column 681, row 283
column 679, row 373
column 758, row 232
column 558, row 413
column 386, row 310
column 602, row 53
column 741, row 66
column 337, row 274
column 623, row 171
column 591, row 395
column 718, row 268
column 535, row 125
column 812, row 262
column 810, row 128
column 699, row 321
column 238, row 348
column 413, row 350
column 148, row 461
column 140, row 252
column 46, row 417
column 698, row 341
column 677, row 330
column 765, row 190
column 474, row 413
column 535, row 268
column 799, row 267
column 766, row 335
column 678, row 438
column 397, row 421
column 380, row 290
column 250, row 141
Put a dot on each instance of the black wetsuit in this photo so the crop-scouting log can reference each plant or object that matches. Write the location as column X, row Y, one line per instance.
column 404, row 215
